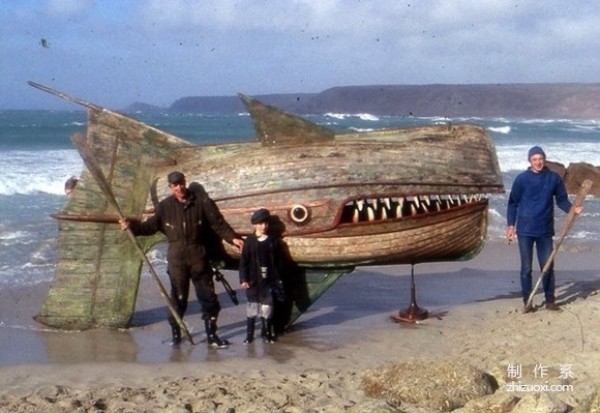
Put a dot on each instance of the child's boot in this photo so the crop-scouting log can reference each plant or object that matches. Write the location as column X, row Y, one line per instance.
column 249, row 330
column 268, row 337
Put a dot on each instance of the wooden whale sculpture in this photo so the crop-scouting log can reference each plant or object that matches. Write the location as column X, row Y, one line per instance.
column 340, row 200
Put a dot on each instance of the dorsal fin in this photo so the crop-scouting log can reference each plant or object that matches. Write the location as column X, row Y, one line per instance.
column 274, row 126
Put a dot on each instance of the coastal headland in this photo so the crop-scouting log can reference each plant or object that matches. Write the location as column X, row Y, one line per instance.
column 544, row 101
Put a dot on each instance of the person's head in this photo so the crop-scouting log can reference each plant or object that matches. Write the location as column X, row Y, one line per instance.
column 537, row 158
column 70, row 185
column 260, row 221
column 177, row 184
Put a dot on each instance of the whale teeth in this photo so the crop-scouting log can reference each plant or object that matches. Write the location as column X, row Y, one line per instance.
column 416, row 202
column 399, row 211
column 370, row 214
column 400, row 207
column 387, row 202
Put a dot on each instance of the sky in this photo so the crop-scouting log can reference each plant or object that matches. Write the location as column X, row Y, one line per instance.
column 116, row 52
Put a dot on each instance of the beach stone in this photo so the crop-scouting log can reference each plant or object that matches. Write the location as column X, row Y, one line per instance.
column 575, row 174
column 373, row 406
column 557, row 167
column 540, row 403
column 590, row 405
column 579, row 172
column 442, row 385
column 51, row 393
column 499, row 402
column 594, row 406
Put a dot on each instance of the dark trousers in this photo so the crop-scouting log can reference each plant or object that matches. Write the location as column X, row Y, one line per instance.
column 543, row 246
column 187, row 263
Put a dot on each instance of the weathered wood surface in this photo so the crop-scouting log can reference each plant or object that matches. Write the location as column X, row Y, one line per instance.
column 94, row 283
column 385, row 197
column 457, row 235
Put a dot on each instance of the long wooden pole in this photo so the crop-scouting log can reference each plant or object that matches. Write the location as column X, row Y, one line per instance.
column 64, row 96
column 90, row 161
column 569, row 220
column 99, row 218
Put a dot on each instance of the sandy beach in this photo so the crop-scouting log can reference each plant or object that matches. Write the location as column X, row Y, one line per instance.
column 326, row 362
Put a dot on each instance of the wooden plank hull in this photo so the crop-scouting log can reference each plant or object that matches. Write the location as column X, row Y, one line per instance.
column 453, row 235
column 399, row 196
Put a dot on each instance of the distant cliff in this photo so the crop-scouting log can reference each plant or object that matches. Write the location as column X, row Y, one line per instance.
column 142, row 107
column 510, row 100
column 548, row 101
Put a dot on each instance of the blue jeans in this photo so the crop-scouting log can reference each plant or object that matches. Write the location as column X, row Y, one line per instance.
column 543, row 246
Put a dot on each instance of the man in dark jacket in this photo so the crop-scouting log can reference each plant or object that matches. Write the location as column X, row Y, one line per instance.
column 531, row 210
column 183, row 218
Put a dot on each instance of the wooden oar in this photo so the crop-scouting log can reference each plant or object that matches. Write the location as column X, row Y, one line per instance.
column 90, row 161
column 569, row 220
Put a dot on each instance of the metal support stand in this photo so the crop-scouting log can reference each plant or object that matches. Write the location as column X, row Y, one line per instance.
column 413, row 313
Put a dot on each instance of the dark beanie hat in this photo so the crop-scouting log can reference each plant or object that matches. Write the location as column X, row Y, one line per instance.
column 260, row 215
column 536, row 150
column 176, row 178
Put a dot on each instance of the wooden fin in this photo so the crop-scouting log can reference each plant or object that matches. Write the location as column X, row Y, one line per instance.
column 96, row 278
column 274, row 126
column 98, row 267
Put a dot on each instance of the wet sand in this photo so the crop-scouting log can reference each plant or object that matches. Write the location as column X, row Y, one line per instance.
column 475, row 318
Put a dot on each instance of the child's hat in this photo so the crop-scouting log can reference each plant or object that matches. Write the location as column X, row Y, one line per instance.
column 260, row 215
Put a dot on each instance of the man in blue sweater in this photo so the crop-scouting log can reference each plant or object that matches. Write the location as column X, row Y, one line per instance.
column 531, row 210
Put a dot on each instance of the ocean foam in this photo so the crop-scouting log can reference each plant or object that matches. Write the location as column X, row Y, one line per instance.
column 500, row 129
column 27, row 172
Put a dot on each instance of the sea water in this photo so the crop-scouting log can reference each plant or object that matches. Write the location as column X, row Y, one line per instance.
column 36, row 157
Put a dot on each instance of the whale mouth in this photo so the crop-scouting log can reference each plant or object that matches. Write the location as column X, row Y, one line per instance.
column 380, row 209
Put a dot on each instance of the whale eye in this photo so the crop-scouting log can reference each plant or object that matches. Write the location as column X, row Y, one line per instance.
column 299, row 214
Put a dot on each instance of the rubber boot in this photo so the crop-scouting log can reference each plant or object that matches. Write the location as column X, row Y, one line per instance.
column 250, row 321
column 213, row 339
column 176, row 333
column 270, row 331
column 263, row 328
column 268, row 328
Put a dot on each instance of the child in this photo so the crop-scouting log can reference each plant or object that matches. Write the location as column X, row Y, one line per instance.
column 259, row 273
